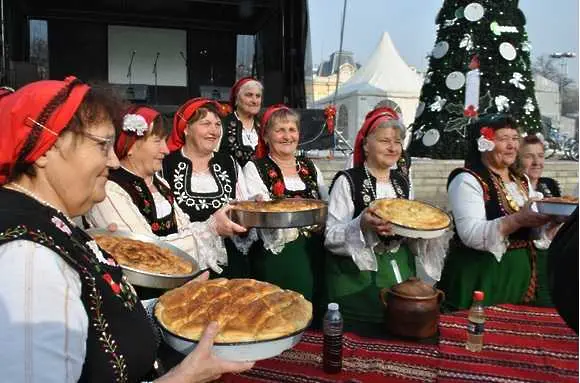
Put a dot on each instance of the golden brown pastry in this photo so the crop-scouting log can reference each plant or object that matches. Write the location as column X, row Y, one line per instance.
column 277, row 206
column 412, row 214
column 245, row 309
column 144, row 256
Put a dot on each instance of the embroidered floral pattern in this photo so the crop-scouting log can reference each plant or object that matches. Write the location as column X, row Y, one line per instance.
column 207, row 201
column 236, row 147
column 274, row 181
column 122, row 290
column 61, row 225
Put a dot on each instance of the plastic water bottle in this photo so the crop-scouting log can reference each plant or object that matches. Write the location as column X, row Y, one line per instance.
column 332, row 350
column 476, row 319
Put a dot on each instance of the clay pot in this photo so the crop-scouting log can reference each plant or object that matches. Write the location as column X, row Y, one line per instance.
column 412, row 309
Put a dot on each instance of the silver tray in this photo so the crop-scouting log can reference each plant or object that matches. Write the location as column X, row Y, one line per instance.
column 145, row 278
column 280, row 220
column 239, row 351
column 410, row 232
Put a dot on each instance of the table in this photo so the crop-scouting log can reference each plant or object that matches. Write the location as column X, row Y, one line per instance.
column 521, row 344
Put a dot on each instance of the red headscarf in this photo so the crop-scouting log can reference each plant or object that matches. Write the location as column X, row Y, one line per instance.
column 262, row 148
column 183, row 115
column 372, row 120
column 128, row 136
column 236, row 89
column 19, row 115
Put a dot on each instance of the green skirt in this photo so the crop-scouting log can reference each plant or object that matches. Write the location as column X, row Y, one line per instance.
column 467, row 270
column 356, row 291
column 543, row 295
column 297, row 267
column 238, row 264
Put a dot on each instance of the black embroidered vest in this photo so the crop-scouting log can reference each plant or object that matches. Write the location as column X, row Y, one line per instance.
column 141, row 196
column 272, row 177
column 121, row 343
column 548, row 187
column 199, row 206
column 232, row 142
column 496, row 204
column 363, row 188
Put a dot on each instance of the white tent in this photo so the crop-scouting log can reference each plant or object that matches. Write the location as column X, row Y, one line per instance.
column 386, row 76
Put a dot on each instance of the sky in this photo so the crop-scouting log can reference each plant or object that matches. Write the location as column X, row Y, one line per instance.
column 552, row 26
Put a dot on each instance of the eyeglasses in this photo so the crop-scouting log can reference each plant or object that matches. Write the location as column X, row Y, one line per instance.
column 106, row 143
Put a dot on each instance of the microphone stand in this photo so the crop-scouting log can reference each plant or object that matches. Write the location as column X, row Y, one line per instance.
column 155, row 73
column 130, row 92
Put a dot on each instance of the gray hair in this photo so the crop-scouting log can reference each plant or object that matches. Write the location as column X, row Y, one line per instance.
column 249, row 84
column 393, row 124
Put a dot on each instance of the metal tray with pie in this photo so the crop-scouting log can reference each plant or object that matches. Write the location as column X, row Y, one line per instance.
column 257, row 320
column 279, row 213
column 147, row 261
column 557, row 206
column 412, row 218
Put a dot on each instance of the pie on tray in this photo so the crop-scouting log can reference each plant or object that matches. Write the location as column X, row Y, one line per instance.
column 412, row 214
column 278, row 206
column 245, row 309
column 144, row 256
column 564, row 199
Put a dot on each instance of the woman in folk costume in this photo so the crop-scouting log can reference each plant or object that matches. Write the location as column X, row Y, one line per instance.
column 289, row 258
column 531, row 162
column 241, row 127
column 493, row 249
column 68, row 313
column 363, row 256
column 203, row 181
column 140, row 201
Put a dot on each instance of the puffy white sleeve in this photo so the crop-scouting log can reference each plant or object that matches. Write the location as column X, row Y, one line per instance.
column 322, row 188
column 274, row 239
column 343, row 233
column 198, row 239
column 468, row 208
column 254, row 184
column 43, row 324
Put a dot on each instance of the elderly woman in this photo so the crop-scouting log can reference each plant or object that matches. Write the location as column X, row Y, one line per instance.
column 240, row 136
column 68, row 313
column 493, row 250
column 140, row 201
column 289, row 258
column 363, row 256
column 531, row 162
column 204, row 181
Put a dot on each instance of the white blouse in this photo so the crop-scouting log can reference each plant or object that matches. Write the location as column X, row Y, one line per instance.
column 468, row 208
column 275, row 239
column 345, row 237
column 43, row 323
column 198, row 239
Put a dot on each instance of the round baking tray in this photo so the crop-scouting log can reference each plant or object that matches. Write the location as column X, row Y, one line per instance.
column 280, row 220
column 410, row 232
column 556, row 208
column 149, row 279
column 238, row 351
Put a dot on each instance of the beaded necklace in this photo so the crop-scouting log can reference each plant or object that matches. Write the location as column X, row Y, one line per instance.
column 22, row 189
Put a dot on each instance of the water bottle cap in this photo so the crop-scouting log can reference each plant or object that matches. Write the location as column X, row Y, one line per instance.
column 333, row 306
column 478, row 295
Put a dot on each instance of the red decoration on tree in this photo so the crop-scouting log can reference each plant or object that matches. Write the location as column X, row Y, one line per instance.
column 474, row 63
column 487, row 132
column 225, row 109
column 470, row 111
column 278, row 189
column 330, row 113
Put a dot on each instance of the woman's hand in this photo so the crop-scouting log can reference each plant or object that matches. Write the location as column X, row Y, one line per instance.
column 371, row 221
column 202, row 365
column 223, row 225
column 525, row 217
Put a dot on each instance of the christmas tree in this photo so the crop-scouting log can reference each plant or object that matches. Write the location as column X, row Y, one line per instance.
column 480, row 64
